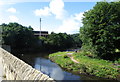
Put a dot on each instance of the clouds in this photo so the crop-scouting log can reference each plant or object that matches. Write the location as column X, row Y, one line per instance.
column 8, row 19
column 56, row 7
column 19, row 1
column 68, row 26
column 56, row 16
column 13, row 18
column 12, row 10
column 69, row 23
column 11, row 15
column 79, row 16
column 1, row 3
column 42, row 12
column 72, row 24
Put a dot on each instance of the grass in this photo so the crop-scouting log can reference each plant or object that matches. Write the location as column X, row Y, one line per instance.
column 88, row 65
column 62, row 59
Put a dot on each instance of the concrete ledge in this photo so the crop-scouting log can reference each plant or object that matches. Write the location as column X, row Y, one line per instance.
column 16, row 69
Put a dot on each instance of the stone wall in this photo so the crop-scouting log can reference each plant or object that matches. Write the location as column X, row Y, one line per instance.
column 16, row 69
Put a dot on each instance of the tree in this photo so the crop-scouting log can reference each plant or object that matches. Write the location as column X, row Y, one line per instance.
column 100, row 33
column 58, row 41
column 77, row 41
column 18, row 37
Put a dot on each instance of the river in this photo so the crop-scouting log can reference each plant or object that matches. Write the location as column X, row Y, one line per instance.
column 41, row 62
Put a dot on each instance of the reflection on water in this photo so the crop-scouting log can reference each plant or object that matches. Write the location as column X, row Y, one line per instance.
column 53, row 70
column 39, row 62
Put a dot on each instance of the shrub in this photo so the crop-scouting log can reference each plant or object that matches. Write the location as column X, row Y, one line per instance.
column 65, row 56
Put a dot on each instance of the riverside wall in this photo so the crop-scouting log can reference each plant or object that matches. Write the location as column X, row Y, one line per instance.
column 16, row 69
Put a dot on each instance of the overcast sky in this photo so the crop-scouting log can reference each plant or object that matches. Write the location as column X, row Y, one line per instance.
column 57, row 15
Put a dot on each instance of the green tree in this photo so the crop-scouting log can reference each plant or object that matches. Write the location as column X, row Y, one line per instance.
column 58, row 41
column 77, row 40
column 100, row 33
column 18, row 37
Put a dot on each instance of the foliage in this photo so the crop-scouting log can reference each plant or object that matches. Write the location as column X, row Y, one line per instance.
column 58, row 41
column 60, row 59
column 65, row 56
column 57, row 54
column 117, row 61
column 87, row 53
column 92, row 66
column 100, row 33
column 98, row 67
column 22, row 38
column 77, row 41
column 18, row 37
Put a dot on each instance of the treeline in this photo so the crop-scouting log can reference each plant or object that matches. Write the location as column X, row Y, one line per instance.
column 61, row 41
column 22, row 39
column 18, row 37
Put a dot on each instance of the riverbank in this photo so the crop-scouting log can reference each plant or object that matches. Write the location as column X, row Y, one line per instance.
column 42, row 63
column 86, row 65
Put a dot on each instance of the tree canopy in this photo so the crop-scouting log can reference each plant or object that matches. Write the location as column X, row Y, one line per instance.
column 58, row 41
column 100, row 32
column 18, row 36
column 21, row 38
column 76, row 39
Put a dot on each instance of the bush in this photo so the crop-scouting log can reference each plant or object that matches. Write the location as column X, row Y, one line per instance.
column 117, row 61
column 65, row 56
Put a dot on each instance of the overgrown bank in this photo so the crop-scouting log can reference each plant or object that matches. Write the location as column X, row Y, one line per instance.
column 87, row 65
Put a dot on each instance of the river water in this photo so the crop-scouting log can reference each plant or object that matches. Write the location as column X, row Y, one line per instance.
column 41, row 62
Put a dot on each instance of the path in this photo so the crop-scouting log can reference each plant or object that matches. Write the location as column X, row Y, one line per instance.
column 71, row 57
